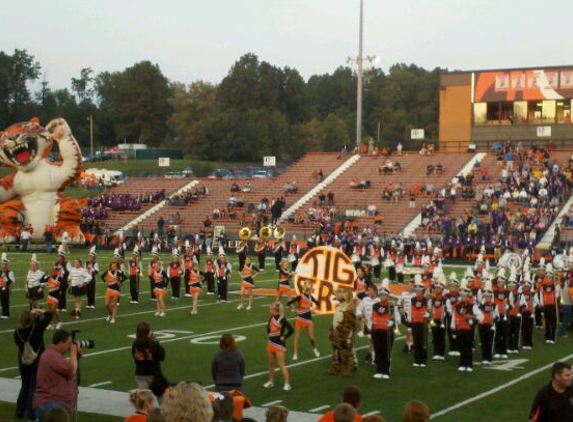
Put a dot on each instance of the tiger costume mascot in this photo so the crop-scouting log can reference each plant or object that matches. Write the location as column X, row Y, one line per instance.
column 33, row 195
column 343, row 333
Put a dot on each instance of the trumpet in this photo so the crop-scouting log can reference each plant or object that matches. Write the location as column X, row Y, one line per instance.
column 245, row 233
column 279, row 233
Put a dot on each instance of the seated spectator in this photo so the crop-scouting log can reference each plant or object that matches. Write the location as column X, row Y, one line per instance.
column 321, row 199
column 144, row 401
column 235, row 187
column 276, row 413
column 232, row 202
column 344, row 413
column 424, row 150
column 320, row 175
column 399, row 148
column 364, row 184
column 371, row 210
column 207, row 222
column 430, row 169
column 60, row 414
column 223, row 407
column 350, row 395
column 330, row 196
column 416, row 411
column 397, row 167
column 431, row 149
column 290, row 187
column 187, row 402
column 385, row 152
column 472, row 147
column 247, row 188
column 353, row 184
column 216, row 213
column 439, row 168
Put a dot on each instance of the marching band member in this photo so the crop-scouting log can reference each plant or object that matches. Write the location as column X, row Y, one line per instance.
column 175, row 272
column 548, row 297
column 278, row 330
column 486, row 313
column 418, row 316
column 278, row 250
column 78, row 279
column 209, row 272
column 151, row 269
column 64, row 268
column 7, row 280
column 539, row 277
column 514, row 314
column 160, row 280
column 528, row 301
column 223, row 269
column 35, row 281
column 194, row 286
column 361, row 283
column 376, row 253
column 462, row 322
column 383, row 332
column 438, row 312
column 403, row 308
column 358, row 253
column 112, row 280
column 248, row 274
column 134, row 270
column 452, row 299
column 401, row 262
column 390, row 262
column 187, row 264
column 293, row 253
column 242, row 249
column 417, row 259
column 284, row 281
column 92, row 268
column 501, row 300
column 304, row 303
column 261, row 250
column 53, row 286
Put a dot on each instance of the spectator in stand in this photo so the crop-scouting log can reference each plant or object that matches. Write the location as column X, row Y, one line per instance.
column 350, row 395
column 472, row 147
column 49, row 239
column 371, row 210
column 235, row 187
column 330, row 197
column 509, row 156
column 228, row 365
column 160, row 226
column 416, row 411
column 187, row 402
column 247, row 188
column 207, row 222
column 399, row 148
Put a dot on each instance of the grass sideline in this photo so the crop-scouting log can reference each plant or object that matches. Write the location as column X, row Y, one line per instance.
column 190, row 341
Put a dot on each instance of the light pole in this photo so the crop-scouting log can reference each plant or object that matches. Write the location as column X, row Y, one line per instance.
column 91, row 120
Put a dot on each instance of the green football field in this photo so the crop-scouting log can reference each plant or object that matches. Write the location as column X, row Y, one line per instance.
column 501, row 392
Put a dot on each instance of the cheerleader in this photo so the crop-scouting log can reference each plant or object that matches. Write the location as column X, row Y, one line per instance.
column 159, row 288
column 278, row 250
column 304, row 317
column 248, row 274
column 92, row 268
column 462, row 322
column 7, row 279
column 150, row 270
column 64, row 268
column 293, row 253
column 78, row 279
column 35, row 281
column 134, row 272
column 382, row 332
column 209, row 273
column 261, row 250
column 112, row 280
column 175, row 272
column 194, row 286
column 223, row 269
column 284, row 281
column 278, row 330
column 486, row 313
column 53, row 286
column 187, row 264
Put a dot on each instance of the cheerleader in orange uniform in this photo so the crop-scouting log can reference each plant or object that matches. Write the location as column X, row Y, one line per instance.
column 248, row 274
column 159, row 288
column 304, row 318
column 194, row 286
column 284, row 280
column 278, row 330
column 53, row 299
column 112, row 280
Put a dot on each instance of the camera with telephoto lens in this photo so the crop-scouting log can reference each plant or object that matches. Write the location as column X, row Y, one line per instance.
column 84, row 344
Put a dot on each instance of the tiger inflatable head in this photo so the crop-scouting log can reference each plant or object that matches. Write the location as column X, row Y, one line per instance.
column 345, row 298
column 25, row 144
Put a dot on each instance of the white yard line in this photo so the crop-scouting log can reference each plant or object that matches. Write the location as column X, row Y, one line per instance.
column 99, row 384
column 271, row 403
column 496, row 389
column 319, row 408
column 374, row 412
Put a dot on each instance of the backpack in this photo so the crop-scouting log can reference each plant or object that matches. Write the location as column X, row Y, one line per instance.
column 28, row 354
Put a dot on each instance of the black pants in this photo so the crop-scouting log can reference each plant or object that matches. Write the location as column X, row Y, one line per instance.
column 486, row 335
column 392, row 273
column 24, row 404
column 175, row 287
column 527, row 329
column 401, row 278
column 294, row 264
column 63, row 294
column 134, row 287
column 439, row 338
column 452, row 340
column 382, row 341
column 501, row 332
column 550, row 314
column 262, row 257
column 242, row 258
column 538, row 317
column 278, row 259
column 465, row 338
column 419, row 336
column 91, row 292
column 210, row 279
column 377, row 270
column 5, row 301
column 222, row 284
column 514, row 332
column 151, row 287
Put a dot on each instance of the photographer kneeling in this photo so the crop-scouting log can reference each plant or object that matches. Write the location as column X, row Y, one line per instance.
column 56, row 379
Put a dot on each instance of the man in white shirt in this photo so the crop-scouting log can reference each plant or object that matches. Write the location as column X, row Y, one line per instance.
column 25, row 237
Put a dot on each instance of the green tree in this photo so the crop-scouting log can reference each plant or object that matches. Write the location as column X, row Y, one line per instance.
column 82, row 86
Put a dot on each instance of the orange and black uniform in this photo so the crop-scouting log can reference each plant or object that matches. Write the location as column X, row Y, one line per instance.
column 187, row 264
column 5, row 286
column 538, row 310
column 63, row 273
column 501, row 325
column 527, row 307
column 175, row 271
column 242, row 254
column 419, row 314
column 278, row 327
column 486, row 329
column 360, row 286
column 304, row 309
column 463, row 320
column 209, row 275
column 278, row 253
column 53, row 285
column 382, row 335
column 284, row 281
column 112, row 280
column 514, row 320
column 194, row 282
column 160, row 281
column 223, row 272
column 452, row 299
column 150, row 271
column 376, row 255
column 438, row 328
column 92, row 268
column 134, row 274
column 548, row 298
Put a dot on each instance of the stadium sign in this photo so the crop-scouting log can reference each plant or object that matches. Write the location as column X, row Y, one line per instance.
column 543, row 131
column 164, row 162
column 417, row 134
column 269, row 161
column 327, row 269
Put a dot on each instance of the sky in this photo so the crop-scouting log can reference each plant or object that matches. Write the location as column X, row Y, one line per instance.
column 200, row 40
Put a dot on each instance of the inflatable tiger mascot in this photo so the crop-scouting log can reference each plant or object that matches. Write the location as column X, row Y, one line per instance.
column 342, row 334
column 33, row 195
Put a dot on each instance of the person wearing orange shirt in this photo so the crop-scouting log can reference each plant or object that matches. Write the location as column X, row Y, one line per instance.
column 112, row 279
column 160, row 280
column 248, row 274
column 284, row 280
column 278, row 331
column 194, row 286
column 462, row 322
column 305, row 302
column 143, row 400
column 175, row 272
column 350, row 395
column 486, row 313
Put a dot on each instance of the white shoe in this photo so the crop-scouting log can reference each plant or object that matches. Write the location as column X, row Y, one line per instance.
column 316, row 353
column 385, row 377
column 249, row 308
column 58, row 325
column 422, row 365
column 162, row 314
column 194, row 312
column 416, row 365
column 378, row 376
column 240, row 306
column 287, row 387
column 527, row 347
column 112, row 321
column 462, row 368
column 108, row 318
column 504, row 356
column 485, row 362
column 469, row 369
column 295, row 357
column 157, row 313
column 268, row 384
column 360, row 334
column 497, row 356
column 187, row 294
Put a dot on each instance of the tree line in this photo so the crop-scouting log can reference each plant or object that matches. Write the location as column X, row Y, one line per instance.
column 257, row 109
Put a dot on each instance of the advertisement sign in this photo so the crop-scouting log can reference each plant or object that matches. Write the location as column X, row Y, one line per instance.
column 417, row 134
column 270, row 161
column 543, row 131
column 164, row 161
